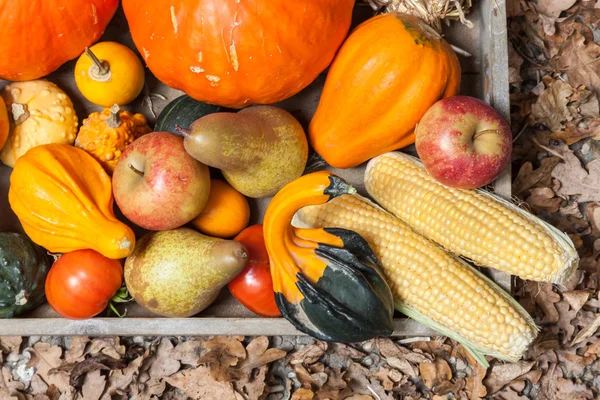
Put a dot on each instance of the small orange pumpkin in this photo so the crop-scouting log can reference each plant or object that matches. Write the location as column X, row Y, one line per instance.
column 389, row 71
column 63, row 198
column 106, row 134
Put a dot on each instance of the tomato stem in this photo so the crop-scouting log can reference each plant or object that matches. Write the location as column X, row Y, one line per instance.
column 121, row 296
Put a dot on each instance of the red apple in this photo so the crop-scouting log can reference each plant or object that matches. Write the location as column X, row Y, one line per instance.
column 463, row 142
column 158, row 185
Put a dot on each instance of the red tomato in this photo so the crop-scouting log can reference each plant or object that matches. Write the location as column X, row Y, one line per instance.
column 81, row 283
column 253, row 287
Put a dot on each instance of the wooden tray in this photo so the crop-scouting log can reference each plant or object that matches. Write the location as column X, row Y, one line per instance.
column 485, row 75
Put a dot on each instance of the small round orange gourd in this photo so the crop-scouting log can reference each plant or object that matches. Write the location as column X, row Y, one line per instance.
column 387, row 74
column 63, row 198
column 106, row 134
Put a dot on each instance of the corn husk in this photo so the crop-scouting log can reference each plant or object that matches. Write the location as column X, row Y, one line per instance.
column 431, row 11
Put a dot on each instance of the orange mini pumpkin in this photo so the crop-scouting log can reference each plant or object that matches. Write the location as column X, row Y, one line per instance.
column 388, row 73
column 106, row 134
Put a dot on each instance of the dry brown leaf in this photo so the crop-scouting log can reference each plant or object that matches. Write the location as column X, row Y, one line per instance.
column 568, row 390
column 8, row 386
column 546, row 298
column 576, row 298
column 551, row 108
column 436, row 347
column 121, row 379
column 514, row 65
column 579, row 59
column 259, row 354
column 38, row 385
column 198, row 383
column 309, row 354
column 335, row 383
column 576, row 132
column 402, row 365
column 165, row 364
column 450, row 387
column 44, row 358
column 111, row 346
column 553, row 8
column 359, row 397
column 571, row 209
column 303, row 394
column 93, row 386
column 528, row 177
column 542, row 199
column 565, row 320
column 100, row 362
column 389, row 349
column 76, row 351
column 382, row 375
column 435, row 373
column 223, row 353
column 509, row 394
column 9, row 344
column 588, row 330
column 502, row 374
column 189, row 352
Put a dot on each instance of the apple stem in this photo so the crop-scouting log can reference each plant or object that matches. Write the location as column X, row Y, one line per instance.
column 485, row 131
column 134, row 169
column 184, row 132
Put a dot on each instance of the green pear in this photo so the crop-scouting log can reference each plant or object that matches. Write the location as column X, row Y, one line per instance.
column 259, row 149
column 180, row 272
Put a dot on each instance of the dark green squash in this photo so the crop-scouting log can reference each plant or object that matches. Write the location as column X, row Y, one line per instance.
column 183, row 111
column 23, row 269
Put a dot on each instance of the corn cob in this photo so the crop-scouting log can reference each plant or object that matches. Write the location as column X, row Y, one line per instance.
column 429, row 284
column 473, row 224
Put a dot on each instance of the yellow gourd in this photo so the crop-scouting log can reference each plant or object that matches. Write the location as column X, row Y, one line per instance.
column 109, row 73
column 106, row 134
column 63, row 198
column 41, row 113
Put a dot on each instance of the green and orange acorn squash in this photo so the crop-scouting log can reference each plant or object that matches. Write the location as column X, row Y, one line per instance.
column 23, row 270
column 328, row 282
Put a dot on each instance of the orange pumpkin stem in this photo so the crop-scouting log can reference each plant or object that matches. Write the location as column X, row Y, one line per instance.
column 114, row 120
column 102, row 69
column 134, row 169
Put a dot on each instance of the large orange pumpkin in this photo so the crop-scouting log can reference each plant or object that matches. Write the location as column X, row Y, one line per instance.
column 38, row 36
column 389, row 71
column 235, row 53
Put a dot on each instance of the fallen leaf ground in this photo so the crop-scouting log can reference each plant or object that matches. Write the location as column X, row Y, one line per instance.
column 555, row 90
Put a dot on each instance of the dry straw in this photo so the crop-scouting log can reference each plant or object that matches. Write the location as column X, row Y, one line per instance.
column 432, row 11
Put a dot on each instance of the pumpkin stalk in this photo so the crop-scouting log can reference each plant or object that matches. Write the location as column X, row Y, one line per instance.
column 114, row 120
column 99, row 70
column 134, row 169
column 20, row 112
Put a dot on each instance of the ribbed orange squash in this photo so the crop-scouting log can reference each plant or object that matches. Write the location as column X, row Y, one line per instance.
column 63, row 198
column 389, row 71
